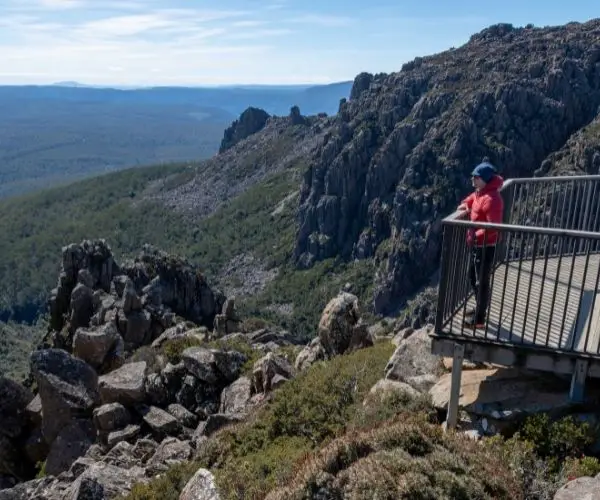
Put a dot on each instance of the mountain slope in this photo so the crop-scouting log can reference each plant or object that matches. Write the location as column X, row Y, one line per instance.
column 291, row 214
column 51, row 135
column 402, row 150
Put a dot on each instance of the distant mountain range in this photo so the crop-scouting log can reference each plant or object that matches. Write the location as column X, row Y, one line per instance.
column 57, row 133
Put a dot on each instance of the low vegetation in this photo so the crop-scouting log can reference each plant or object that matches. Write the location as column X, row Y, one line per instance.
column 323, row 434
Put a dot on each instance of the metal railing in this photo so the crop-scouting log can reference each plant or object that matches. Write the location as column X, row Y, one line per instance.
column 545, row 269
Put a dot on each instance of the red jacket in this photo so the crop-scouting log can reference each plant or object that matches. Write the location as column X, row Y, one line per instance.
column 485, row 206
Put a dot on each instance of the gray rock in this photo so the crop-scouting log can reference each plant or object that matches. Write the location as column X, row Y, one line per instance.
column 112, row 481
column 170, row 452
column 202, row 486
column 131, row 300
column 11, row 460
column 268, row 367
column 34, row 410
column 413, row 358
column 82, row 307
column 111, row 416
column 185, row 417
column 93, row 345
column 582, row 488
column 201, row 363
column 36, row 449
column 160, row 421
column 14, row 400
column 68, row 388
column 72, row 442
column 136, row 325
column 129, row 433
column 228, row 363
column 235, row 397
column 156, row 390
column 313, row 352
column 339, row 329
column 126, row 385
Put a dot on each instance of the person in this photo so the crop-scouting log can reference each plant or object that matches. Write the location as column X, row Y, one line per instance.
column 485, row 204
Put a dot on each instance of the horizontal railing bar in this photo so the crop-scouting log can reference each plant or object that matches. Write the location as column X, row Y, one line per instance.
column 525, row 229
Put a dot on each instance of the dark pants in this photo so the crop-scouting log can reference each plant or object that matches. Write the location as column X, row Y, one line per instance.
column 480, row 270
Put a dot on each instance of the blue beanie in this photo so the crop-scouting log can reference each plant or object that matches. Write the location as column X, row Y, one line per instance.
column 484, row 170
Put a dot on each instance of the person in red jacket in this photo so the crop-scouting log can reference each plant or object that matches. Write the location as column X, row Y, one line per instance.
column 483, row 205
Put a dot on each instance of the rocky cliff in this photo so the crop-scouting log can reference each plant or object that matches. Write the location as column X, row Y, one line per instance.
column 400, row 154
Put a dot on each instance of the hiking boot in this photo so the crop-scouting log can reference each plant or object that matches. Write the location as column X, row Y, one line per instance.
column 474, row 323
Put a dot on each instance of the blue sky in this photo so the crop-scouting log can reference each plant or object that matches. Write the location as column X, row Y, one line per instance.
column 156, row 42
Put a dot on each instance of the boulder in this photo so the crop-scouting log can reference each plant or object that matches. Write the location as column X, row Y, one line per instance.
column 35, row 448
column 385, row 387
column 413, row 358
column 504, row 394
column 131, row 300
column 14, row 400
column 202, row 486
column 111, row 416
column 201, row 363
column 81, row 306
column 339, row 329
column 111, row 481
column 135, row 328
column 68, row 389
column 171, row 451
column 126, row 385
column 72, row 442
column 582, row 488
column 156, row 390
column 185, row 417
column 129, row 433
column 159, row 420
column 313, row 352
column 235, row 397
column 11, row 460
column 229, row 363
column 93, row 345
column 267, row 368
column 34, row 410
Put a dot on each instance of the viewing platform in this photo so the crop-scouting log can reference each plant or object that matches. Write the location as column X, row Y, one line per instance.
column 544, row 308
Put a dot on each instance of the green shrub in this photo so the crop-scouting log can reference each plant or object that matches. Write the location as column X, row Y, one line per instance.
column 166, row 486
column 172, row 349
column 557, row 440
column 150, row 355
column 315, row 407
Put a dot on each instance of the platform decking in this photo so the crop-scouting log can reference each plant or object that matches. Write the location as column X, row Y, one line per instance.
column 546, row 303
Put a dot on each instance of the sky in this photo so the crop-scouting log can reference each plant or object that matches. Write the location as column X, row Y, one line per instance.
column 196, row 42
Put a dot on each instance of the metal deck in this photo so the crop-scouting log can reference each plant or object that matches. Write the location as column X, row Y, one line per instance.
column 550, row 303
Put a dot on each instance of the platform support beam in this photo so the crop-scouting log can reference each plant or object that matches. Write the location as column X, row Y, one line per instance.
column 578, row 381
column 457, row 363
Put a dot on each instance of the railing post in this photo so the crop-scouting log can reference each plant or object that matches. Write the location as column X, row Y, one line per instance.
column 444, row 270
column 457, row 362
column 578, row 381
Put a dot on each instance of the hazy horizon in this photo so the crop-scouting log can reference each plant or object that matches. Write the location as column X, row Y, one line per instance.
column 142, row 43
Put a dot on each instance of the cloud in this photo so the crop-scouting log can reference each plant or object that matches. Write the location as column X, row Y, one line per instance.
column 60, row 4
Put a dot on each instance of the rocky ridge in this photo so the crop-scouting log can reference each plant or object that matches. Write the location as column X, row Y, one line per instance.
column 398, row 158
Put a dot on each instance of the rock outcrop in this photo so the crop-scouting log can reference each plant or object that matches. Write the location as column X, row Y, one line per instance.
column 110, row 410
column 101, row 310
column 340, row 330
column 252, row 120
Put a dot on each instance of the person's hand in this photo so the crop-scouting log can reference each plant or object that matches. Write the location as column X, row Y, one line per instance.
column 462, row 208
